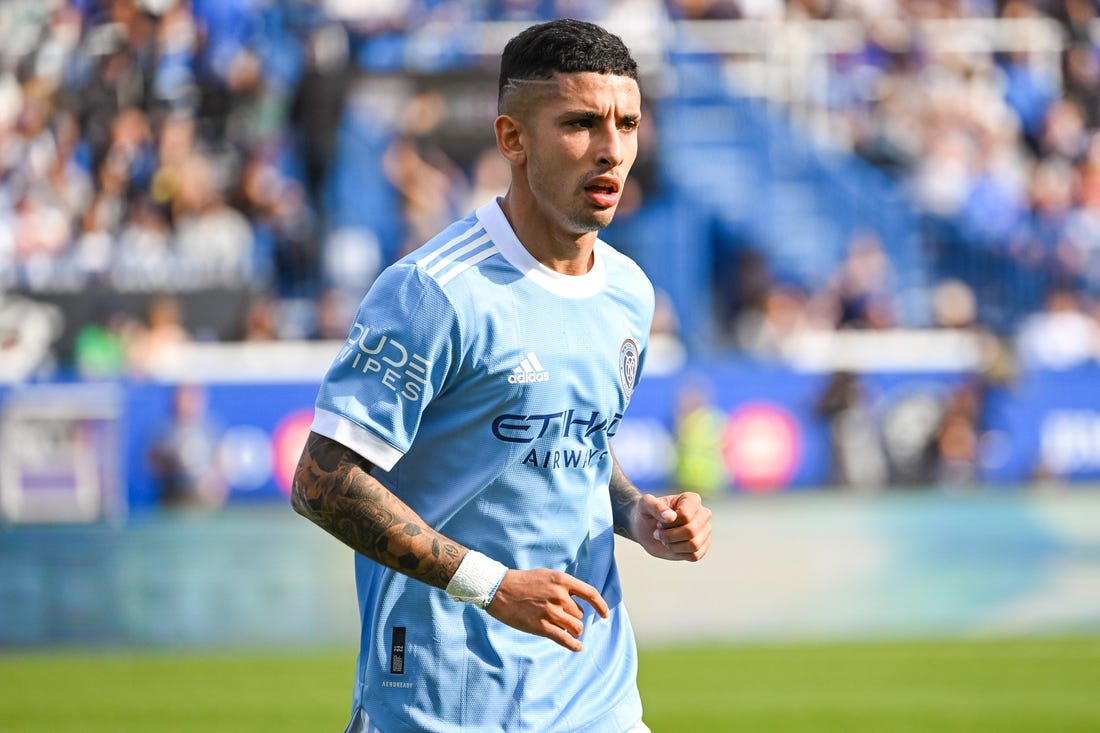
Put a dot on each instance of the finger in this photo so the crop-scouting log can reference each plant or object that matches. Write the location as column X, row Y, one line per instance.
column 693, row 544
column 693, row 547
column 562, row 637
column 695, row 527
column 658, row 508
column 572, row 608
column 686, row 505
column 585, row 592
column 691, row 523
column 569, row 623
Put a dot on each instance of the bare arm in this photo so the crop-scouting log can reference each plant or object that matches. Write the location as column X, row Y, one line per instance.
column 673, row 527
column 624, row 498
column 334, row 489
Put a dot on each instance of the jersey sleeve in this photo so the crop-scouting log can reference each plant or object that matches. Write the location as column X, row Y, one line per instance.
column 397, row 357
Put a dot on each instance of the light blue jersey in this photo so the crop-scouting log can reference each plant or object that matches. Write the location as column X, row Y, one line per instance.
column 486, row 388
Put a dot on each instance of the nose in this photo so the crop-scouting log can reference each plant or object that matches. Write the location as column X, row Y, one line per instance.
column 610, row 145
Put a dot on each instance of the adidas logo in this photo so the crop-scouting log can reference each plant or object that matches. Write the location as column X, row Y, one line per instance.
column 529, row 370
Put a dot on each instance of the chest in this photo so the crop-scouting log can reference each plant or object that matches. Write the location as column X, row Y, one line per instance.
column 559, row 367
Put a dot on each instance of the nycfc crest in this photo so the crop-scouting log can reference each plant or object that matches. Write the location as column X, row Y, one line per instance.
column 628, row 366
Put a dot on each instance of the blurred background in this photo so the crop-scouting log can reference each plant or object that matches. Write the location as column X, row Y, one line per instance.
column 874, row 226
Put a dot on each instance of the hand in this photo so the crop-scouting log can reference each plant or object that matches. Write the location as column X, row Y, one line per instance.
column 672, row 527
column 542, row 602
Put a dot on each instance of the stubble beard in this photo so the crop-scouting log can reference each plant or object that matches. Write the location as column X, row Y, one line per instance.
column 586, row 219
column 579, row 218
column 587, row 222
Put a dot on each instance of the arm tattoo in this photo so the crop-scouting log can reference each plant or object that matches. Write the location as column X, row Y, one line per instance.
column 334, row 489
column 624, row 495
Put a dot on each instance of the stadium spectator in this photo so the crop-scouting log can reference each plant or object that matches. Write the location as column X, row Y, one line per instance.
column 1082, row 80
column 335, row 310
column 317, row 106
column 183, row 457
column 763, row 329
column 1061, row 336
column 212, row 238
column 102, row 345
column 287, row 258
column 142, row 254
column 156, row 343
column 431, row 184
column 958, row 438
column 864, row 285
column 699, row 425
column 858, row 460
column 261, row 319
column 714, row 9
column 489, row 178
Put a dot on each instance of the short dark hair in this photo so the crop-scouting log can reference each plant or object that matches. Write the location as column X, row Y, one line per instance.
column 565, row 46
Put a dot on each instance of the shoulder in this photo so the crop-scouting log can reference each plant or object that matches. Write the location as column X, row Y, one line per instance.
column 430, row 271
column 619, row 264
column 624, row 273
column 458, row 249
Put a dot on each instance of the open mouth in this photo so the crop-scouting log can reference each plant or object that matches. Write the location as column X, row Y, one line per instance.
column 603, row 192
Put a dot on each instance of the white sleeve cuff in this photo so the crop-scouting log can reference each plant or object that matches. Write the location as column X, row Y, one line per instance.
column 356, row 437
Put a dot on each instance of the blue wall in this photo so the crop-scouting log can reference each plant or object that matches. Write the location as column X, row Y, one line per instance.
column 1045, row 424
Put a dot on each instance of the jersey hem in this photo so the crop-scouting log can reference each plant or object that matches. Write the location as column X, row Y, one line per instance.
column 623, row 717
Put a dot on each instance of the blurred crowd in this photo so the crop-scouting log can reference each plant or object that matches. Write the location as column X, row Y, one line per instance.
column 175, row 146
column 995, row 136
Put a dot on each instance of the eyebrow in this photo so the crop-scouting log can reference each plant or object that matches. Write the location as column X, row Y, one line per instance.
column 587, row 114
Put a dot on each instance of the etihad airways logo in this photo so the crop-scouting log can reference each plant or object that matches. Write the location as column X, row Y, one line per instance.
column 590, row 429
column 564, row 424
column 529, row 370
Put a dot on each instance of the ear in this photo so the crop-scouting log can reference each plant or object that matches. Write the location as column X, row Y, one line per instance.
column 510, row 139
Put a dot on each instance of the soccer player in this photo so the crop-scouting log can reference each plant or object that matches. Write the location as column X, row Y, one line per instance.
column 461, row 442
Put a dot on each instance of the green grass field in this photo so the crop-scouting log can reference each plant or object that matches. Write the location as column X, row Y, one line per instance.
column 1002, row 686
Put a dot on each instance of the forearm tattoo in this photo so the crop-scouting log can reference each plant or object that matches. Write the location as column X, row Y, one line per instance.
column 624, row 495
column 333, row 489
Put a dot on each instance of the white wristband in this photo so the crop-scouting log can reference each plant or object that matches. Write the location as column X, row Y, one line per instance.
column 476, row 580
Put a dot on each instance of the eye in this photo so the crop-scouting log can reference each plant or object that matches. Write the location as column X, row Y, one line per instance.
column 582, row 122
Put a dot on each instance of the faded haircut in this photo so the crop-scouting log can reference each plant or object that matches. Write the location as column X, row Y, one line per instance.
column 565, row 46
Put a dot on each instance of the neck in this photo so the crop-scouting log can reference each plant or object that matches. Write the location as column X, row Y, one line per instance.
column 569, row 253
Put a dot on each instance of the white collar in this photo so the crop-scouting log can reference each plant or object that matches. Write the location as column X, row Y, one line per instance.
column 496, row 224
